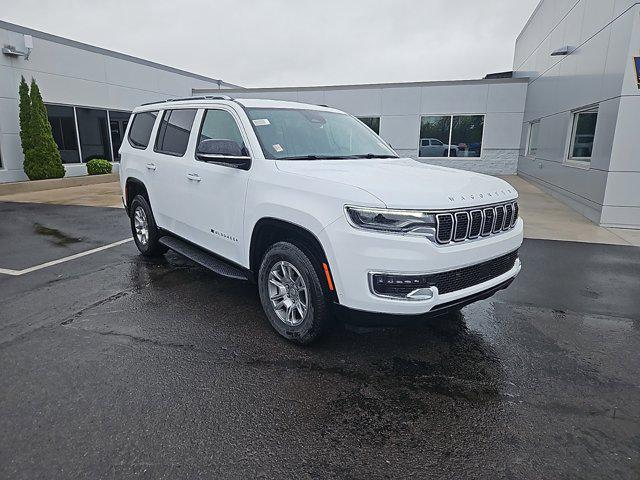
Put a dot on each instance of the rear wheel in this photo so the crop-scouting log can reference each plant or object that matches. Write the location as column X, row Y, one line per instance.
column 144, row 229
column 291, row 294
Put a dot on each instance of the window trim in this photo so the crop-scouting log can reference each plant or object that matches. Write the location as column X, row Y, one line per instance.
column 528, row 146
column 155, row 143
column 451, row 116
column 583, row 163
column 240, row 128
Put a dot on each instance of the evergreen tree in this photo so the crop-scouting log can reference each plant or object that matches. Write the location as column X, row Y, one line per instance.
column 42, row 159
column 25, row 114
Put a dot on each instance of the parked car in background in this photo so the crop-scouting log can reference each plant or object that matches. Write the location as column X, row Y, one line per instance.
column 432, row 147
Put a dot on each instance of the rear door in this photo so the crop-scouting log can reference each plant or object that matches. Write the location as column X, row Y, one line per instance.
column 171, row 198
column 217, row 190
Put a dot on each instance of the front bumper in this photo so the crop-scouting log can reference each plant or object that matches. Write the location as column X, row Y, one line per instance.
column 354, row 254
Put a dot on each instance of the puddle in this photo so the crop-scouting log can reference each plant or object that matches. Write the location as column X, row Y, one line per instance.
column 56, row 236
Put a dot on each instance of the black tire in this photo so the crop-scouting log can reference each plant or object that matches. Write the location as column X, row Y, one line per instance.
column 152, row 248
column 317, row 318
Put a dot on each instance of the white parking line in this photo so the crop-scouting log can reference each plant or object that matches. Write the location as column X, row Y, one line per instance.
column 7, row 271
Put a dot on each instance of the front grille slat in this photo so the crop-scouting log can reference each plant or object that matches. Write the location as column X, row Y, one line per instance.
column 444, row 224
column 476, row 224
column 463, row 225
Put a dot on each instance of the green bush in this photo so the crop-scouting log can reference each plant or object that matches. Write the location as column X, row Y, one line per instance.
column 98, row 166
column 41, row 156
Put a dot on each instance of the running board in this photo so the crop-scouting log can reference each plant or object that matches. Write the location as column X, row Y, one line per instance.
column 203, row 258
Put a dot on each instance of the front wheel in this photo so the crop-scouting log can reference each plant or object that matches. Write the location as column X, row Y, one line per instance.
column 291, row 294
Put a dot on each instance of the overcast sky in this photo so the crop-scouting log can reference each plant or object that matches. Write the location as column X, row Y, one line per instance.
column 263, row 43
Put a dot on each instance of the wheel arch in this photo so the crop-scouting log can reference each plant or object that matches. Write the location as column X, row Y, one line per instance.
column 134, row 186
column 268, row 231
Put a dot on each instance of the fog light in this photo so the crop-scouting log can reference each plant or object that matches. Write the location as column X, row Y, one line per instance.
column 401, row 286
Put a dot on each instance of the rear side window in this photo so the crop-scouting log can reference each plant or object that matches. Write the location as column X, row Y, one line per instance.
column 141, row 127
column 174, row 131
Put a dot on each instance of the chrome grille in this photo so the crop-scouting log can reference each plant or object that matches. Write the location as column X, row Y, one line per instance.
column 463, row 225
column 476, row 224
column 444, row 228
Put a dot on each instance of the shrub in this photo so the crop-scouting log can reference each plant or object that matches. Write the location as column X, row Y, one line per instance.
column 25, row 114
column 42, row 157
column 98, row 166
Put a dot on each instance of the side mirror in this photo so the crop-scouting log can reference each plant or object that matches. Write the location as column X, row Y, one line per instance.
column 226, row 152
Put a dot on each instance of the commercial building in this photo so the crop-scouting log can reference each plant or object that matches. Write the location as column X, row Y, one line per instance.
column 88, row 92
column 582, row 113
column 566, row 118
column 472, row 124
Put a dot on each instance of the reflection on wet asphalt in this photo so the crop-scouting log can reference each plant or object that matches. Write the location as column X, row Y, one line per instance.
column 118, row 366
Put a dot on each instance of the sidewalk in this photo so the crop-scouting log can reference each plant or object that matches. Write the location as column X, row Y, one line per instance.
column 544, row 216
column 92, row 191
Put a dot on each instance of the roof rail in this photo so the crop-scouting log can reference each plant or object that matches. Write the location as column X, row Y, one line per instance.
column 204, row 97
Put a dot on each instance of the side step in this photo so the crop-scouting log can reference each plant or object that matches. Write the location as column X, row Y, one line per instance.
column 204, row 258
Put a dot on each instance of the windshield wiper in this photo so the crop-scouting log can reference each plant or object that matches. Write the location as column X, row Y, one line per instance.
column 373, row 155
column 319, row 157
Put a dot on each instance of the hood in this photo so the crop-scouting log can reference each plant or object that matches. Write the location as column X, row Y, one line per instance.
column 407, row 183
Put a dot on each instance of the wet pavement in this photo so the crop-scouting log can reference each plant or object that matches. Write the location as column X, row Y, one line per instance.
column 114, row 366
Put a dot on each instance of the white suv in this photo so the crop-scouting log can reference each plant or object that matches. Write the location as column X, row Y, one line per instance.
column 317, row 209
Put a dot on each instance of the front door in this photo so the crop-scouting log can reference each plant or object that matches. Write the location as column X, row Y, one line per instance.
column 216, row 191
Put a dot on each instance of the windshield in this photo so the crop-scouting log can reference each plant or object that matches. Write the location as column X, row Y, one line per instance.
column 296, row 134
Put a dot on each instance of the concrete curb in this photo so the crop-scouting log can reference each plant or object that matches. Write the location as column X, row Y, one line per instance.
column 56, row 183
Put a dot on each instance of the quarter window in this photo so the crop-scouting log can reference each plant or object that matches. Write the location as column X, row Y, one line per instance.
column 141, row 127
column 534, row 134
column 583, row 134
column 174, row 131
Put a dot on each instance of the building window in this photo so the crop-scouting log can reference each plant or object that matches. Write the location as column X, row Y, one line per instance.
column 372, row 122
column 583, row 133
column 140, row 132
column 174, row 131
column 63, row 127
column 94, row 134
column 118, row 125
column 534, row 133
column 444, row 136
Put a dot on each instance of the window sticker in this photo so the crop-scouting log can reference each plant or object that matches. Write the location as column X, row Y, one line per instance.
column 278, row 148
column 261, row 122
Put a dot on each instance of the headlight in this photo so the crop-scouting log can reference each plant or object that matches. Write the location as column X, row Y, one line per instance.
column 409, row 222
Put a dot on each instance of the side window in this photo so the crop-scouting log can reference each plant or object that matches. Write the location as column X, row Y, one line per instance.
column 141, row 127
column 220, row 125
column 174, row 131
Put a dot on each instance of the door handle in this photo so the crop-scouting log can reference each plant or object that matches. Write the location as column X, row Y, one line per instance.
column 194, row 176
column 151, row 166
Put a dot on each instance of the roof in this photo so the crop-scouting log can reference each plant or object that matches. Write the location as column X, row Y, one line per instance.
column 110, row 53
column 198, row 102
column 204, row 91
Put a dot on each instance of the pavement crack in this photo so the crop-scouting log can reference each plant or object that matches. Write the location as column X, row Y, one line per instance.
column 158, row 343
column 69, row 320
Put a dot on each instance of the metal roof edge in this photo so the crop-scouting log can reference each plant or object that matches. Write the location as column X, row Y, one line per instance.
column 197, row 91
column 103, row 51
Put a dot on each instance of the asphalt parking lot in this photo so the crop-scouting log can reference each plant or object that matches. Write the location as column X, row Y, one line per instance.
column 115, row 366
